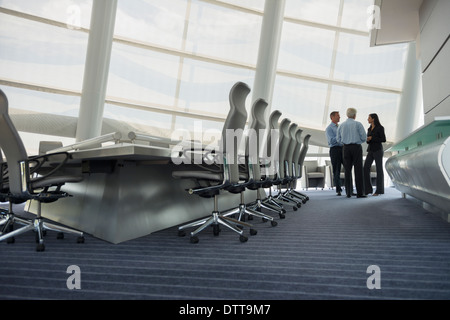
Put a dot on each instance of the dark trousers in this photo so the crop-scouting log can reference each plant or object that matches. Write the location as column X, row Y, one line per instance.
column 336, row 162
column 378, row 157
column 353, row 160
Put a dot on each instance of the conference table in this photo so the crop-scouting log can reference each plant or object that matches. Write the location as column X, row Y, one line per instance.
column 128, row 192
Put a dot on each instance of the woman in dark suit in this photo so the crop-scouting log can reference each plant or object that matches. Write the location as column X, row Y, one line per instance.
column 375, row 138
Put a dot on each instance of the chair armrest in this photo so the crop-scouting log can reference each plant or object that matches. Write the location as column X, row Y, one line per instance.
column 35, row 163
column 208, row 156
column 4, row 178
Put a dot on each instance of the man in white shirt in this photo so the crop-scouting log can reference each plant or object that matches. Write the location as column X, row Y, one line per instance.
column 352, row 134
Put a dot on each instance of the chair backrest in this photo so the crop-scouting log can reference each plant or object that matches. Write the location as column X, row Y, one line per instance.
column 301, row 158
column 298, row 148
column 291, row 148
column 311, row 165
column 13, row 148
column 285, row 139
column 272, row 144
column 233, row 129
column 255, row 137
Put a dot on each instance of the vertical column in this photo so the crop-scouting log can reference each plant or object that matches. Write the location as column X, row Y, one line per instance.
column 411, row 107
column 269, row 45
column 266, row 66
column 96, row 69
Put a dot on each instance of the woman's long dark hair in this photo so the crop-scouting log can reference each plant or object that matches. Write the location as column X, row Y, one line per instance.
column 374, row 116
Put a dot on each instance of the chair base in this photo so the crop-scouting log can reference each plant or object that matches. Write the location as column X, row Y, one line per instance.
column 287, row 198
column 38, row 225
column 304, row 198
column 215, row 220
column 244, row 211
column 258, row 205
column 270, row 200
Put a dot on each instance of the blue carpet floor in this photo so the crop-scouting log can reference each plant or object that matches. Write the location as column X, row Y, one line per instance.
column 321, row 251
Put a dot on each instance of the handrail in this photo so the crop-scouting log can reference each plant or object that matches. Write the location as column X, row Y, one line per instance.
column 115, row 136
column 148, row 138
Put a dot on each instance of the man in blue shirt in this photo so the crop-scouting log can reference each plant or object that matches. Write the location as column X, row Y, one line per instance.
column 352, row 134
column 335, row 150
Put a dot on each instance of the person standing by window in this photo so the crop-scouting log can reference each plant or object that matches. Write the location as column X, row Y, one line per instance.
column 375, row 138
column 335, row 150
column 352, row 134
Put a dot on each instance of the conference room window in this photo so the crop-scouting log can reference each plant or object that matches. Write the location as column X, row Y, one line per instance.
column 379, row 67
column 42, row 55
column 325, row 45
column 385, row 104
column 182, row 56
column 301, row 100
column 306, row 50
column 174, row 62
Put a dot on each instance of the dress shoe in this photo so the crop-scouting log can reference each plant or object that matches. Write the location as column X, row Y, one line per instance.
column 349, row 196
column 375, row 195
column 361, row 196
column 338, row 194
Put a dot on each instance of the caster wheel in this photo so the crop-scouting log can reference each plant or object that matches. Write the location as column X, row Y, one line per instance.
column 295, row 208
column 282, row 216
column 299, row 205
column 40, row 247
column 194, row 239
column 11, row 240
column 216, row 230
column 243, row 238
column 304, row 201
column 283, row 210
column 181, row 233
column 80, row 240
column 60, row 235
column 264, row 220
column 253, row 232
column 274, row 223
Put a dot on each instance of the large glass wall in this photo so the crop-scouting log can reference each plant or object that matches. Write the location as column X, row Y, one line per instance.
column 182, row 56
column 326, row 65
column 174, row 61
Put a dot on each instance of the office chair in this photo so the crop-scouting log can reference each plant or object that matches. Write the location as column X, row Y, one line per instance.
column 301, row 160
column 24, row 181
column 289, row 172
column 298, row 156
column 252, row 168
column 293, row 157
column 315, row 174
column 283, row 172
column 271, row 164
column 209, row 184
column 7, row 216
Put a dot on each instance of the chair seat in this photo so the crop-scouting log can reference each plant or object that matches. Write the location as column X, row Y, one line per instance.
column 238, row 188
column 200, row 175
column 315, row 175
column 54, row 181
column 197, row 174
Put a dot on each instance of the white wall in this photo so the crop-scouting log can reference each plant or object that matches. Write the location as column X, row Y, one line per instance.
column 435, row 57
